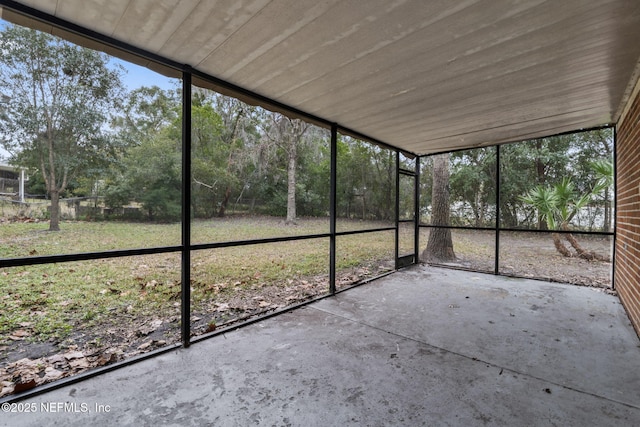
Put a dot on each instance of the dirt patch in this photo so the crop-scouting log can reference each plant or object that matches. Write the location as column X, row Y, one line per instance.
column 533, row 255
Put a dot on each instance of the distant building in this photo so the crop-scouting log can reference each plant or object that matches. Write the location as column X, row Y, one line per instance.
column 12, row 181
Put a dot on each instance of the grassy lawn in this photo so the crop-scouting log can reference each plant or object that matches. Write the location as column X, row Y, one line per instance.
column 59, row 303
column 26, row 239
column 54, row 302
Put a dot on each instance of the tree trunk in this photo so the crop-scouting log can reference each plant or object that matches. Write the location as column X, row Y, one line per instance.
column 364, row 206
column 389, row 208
column 607, row 211
column 583, row 253
column 233, row 136
column 541, row 176
column 440, row 245
column 54, row 218
column 560, row 247
column 50, row 182
column 291, row 181
column 225, row 202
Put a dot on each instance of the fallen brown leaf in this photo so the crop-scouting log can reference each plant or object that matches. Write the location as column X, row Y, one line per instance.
column 23, row 386
column 79, row 363
column 52, row 374
column 73, row 355
column 144, row 346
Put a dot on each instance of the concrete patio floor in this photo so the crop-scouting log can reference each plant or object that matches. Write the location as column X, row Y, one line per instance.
column 424, row 346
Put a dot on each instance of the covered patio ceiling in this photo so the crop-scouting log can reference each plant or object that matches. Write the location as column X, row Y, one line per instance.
column 423, row 76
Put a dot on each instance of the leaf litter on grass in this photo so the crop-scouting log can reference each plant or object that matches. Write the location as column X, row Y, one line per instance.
column 106, row 310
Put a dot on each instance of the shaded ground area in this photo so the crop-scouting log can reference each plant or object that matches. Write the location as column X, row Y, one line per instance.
column 532, row 255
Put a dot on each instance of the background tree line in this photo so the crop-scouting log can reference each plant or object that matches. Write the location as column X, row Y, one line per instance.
column 244, row 158
column 562, row 183
column 67, row 117
column 524, row 166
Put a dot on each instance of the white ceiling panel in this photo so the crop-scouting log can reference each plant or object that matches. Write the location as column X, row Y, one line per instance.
column 424, row 76
column 195, row 40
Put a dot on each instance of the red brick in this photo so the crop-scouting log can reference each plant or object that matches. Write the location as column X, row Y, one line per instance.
column 627, row 271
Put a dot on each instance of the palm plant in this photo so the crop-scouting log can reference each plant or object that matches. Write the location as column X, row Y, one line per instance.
column 557, row 205
column 604, row 175
column 549, row 201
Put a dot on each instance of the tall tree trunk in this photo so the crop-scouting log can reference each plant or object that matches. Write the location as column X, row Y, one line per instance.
column 291, row 181
column 541, row 175
column 440, row 245
column 54, row 218
column 607, row 211
column 364, row 206
column 390, row 202
column 233, row 137
column 287, row 134
column 50, row 181
column 225, row 202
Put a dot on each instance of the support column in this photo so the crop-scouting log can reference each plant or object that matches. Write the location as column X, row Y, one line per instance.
column 333, row 208
column 496, row 268
column 185, row 324
column 21, row 191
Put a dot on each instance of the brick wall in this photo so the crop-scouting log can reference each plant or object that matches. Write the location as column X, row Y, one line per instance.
column 627, row 262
